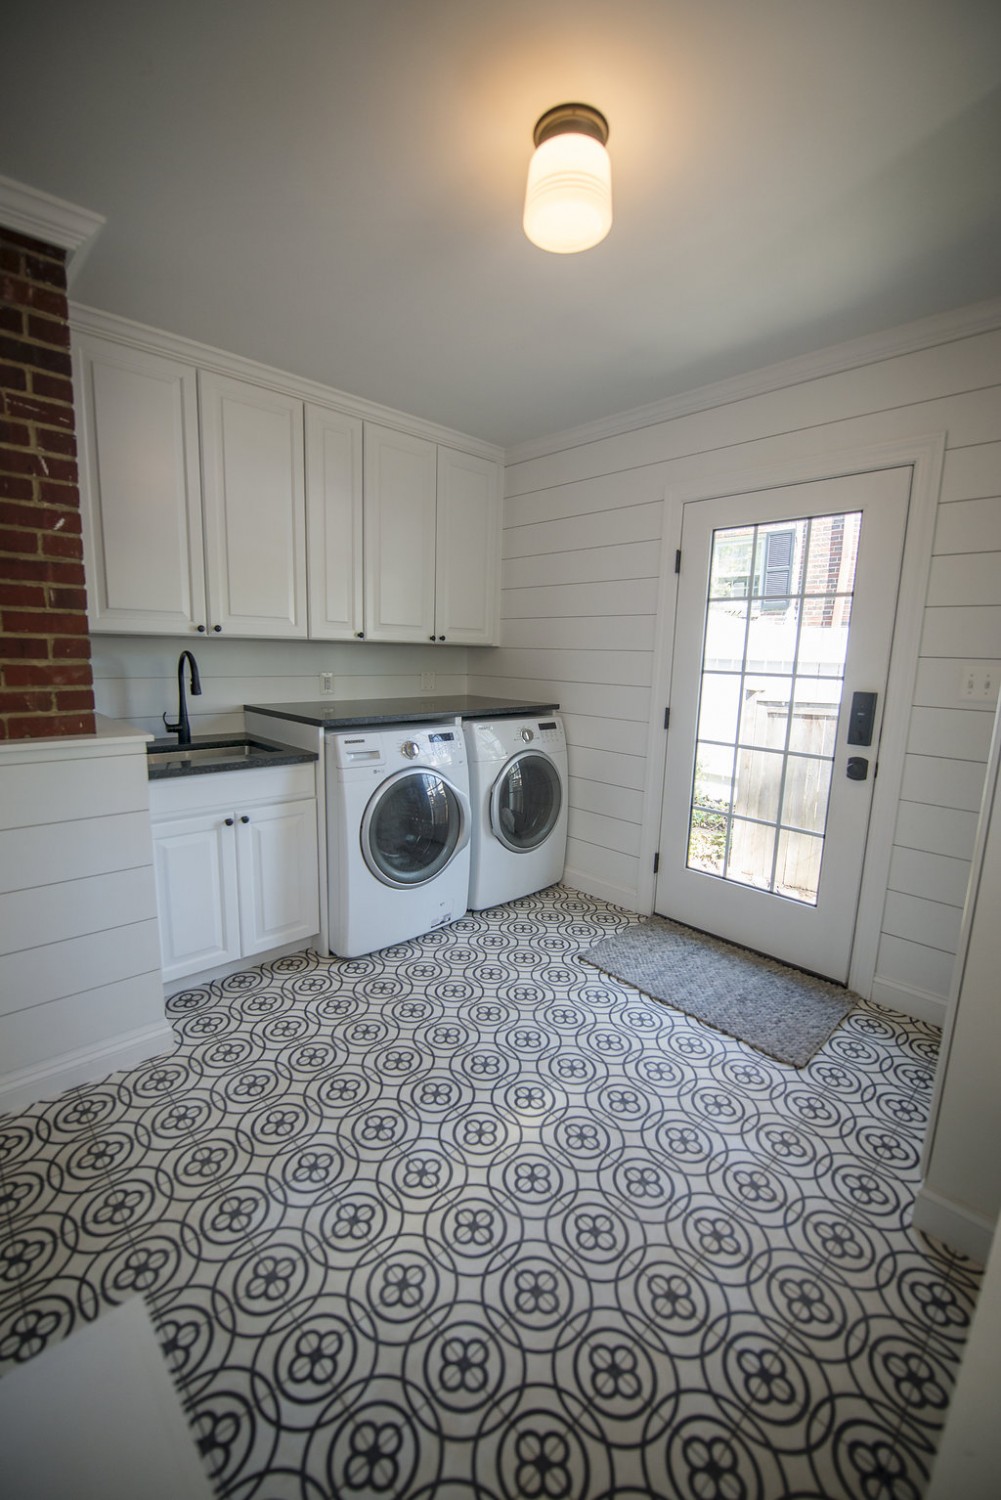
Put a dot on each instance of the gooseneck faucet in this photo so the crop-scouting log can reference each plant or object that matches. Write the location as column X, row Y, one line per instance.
column 183, row 728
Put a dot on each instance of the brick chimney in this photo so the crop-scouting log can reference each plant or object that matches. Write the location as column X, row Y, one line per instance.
column 46, row 685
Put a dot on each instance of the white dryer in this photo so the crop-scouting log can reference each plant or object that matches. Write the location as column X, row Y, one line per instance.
column 398, row 833
column 518, row 792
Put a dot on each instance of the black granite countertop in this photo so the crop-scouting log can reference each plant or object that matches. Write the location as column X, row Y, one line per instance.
column 353, row 713
column 206, row 754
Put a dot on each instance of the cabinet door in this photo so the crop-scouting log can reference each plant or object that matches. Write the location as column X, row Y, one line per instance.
column 334, row 524
column 467, row 573
column 400, row 489
column 279, row 875
column 255, row 508
column 196, row 891
column 140, row 489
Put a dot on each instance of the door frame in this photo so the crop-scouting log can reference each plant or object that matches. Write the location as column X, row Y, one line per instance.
column 925, row 455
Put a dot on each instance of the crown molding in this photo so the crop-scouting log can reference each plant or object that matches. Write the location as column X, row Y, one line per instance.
column 92, row 320
column 869, row 349
column 41, row 216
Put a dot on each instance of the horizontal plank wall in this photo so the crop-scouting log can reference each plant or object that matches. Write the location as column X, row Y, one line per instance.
column 135, row 677
column 80, row 986
column 584, row 587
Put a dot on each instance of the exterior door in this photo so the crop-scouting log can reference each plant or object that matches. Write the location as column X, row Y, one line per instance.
column 785, row 614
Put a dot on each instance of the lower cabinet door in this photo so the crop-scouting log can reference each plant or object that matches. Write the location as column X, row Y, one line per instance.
column 279, row 875
column 196, row 887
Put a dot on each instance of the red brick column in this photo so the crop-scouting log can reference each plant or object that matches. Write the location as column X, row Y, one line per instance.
column 46, row 686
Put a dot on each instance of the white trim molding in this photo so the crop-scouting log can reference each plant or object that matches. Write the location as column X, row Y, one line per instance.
column 42, row 216
column 956, row 1225
column 107, row 325
column 47, row 1080
column 869, row 349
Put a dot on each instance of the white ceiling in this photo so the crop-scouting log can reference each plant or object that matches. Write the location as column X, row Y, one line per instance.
column 335, row 187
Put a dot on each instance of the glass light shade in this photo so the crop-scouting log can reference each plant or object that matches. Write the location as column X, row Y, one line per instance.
column 568, row 201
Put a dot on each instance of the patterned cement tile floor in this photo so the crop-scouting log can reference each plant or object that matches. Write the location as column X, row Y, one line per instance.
column 468, row 1220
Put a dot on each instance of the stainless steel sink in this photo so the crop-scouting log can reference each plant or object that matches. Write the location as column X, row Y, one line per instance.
column 210, row 753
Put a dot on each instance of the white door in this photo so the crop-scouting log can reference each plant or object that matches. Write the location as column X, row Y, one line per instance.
column 140, row 489
column 196, row 892
column 786, row 605
column 334, row 524
column 255, row 508
column 467, row 571
column 400, row 506
column 279, row 874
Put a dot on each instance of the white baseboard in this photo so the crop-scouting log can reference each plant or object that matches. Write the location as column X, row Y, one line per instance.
column 917, row 1003
column 237, row 966
column 47, row 1080
column 960, row 1228
column 617, row 895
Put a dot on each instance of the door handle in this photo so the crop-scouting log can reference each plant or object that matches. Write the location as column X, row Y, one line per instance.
column 857, row 768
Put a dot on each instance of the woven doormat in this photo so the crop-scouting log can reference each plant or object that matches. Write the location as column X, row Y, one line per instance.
column 780, row 1011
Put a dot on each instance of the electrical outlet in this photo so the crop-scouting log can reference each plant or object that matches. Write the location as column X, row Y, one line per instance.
column 427, row 682
column 326, row 682
column 978, row 680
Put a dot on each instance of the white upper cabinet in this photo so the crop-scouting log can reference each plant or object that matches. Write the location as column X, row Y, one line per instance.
column 334, row 524
column 215, row 503
column 400, row 508
column 255, row 507
column 141, row 489
column 432, row 541
column 467, row 572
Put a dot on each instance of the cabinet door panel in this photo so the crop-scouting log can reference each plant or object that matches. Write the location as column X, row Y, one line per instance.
column 279, row 875
column 196, row 892
column 140, row 489
column 467, row 581
column 255, row 508
column 334, row 524
column 400, row 487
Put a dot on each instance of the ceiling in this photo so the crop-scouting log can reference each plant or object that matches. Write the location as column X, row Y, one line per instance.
column 334, row 187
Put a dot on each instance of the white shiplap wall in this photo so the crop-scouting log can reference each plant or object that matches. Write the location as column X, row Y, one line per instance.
column 80, row 985
column 585, row 593
column 135, row 677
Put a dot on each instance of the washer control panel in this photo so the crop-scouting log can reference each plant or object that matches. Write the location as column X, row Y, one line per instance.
column 438, row 746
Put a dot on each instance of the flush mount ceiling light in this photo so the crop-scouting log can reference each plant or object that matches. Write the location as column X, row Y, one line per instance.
column 568, row 201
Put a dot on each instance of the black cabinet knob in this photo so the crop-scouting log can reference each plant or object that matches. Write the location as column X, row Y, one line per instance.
column 229, row 822
column 244, row 818
column 217, row 629
column 430, row 637
column 441, row 637
column 359, row 635
column 201, row 629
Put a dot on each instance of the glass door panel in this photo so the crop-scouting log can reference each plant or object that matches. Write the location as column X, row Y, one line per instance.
column 778, row 612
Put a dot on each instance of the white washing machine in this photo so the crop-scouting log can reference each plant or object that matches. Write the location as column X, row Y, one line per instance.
column 518, row 793
column 398, row 833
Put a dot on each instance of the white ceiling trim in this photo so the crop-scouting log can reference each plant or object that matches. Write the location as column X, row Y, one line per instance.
column 41, row 216
column 91, row 320
column 941, row 328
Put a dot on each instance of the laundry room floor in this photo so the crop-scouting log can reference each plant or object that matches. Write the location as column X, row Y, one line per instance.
column 466, row 1219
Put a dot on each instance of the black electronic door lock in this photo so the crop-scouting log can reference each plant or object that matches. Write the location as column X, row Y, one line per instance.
column 862, row 719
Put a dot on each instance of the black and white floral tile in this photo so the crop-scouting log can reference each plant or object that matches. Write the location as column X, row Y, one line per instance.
column 468, row 1220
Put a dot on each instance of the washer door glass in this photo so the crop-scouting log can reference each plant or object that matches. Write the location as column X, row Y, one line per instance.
column 525, row 802
column 413, row 826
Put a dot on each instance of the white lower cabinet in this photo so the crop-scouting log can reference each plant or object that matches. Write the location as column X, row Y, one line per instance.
column 236, row 861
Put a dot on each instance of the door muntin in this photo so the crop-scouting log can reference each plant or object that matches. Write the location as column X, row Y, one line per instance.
column 525, row 802
column 775, row 641
column 413, row 827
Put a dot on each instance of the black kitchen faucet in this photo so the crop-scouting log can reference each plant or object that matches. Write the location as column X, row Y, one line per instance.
column 183, row 728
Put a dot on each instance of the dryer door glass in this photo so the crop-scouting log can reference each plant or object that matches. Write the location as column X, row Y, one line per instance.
column 412, row 827
column 525, row 802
